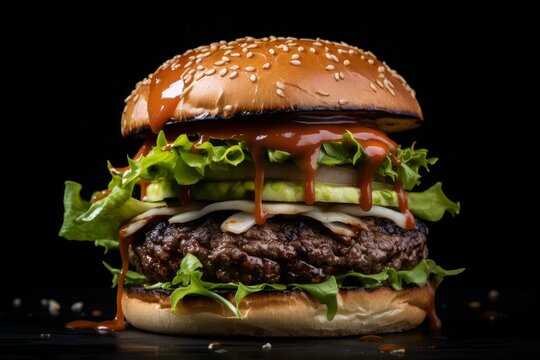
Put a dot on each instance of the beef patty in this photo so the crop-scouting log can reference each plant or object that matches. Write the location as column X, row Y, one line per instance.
column 284, row 250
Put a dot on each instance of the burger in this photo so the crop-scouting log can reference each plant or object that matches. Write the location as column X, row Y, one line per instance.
column 267, row 198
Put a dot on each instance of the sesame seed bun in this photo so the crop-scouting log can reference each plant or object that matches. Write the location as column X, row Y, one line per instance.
column 285, row 313
column 278, row 75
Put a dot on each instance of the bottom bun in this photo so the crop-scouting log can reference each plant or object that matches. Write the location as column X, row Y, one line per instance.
column 287, row 313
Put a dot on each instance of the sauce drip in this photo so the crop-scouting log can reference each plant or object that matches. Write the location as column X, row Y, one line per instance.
column 143, row 151
column 118, row 322
column 435, row 324
column 303, row 142
column 403, row 202
column 185, row 194
column 166, row 89
column 144, row 185
column 100, row 195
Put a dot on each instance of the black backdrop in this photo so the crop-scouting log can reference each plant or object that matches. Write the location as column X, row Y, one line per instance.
column 68, row 87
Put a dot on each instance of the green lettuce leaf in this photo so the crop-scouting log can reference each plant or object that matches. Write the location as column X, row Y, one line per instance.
column 100, row 220
column 395, row 278
column 432, row 203
column 188, row 281
column 132, row 277
column 325, row 293
column 186, row 167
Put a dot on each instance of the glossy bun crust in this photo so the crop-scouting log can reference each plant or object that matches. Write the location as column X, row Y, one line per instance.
column 274, row 75
column 289, row 313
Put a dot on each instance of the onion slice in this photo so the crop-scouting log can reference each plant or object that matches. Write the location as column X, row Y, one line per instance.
column 377, row 211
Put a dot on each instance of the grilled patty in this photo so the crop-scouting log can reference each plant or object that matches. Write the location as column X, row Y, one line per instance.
column 284, row 250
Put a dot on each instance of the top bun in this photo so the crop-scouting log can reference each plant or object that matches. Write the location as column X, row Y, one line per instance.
column 254, row 76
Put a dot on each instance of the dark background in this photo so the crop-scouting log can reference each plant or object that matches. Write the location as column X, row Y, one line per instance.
column 67, row 89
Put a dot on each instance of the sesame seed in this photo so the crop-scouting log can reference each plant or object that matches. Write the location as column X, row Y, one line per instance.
column 187, row 78
column 283, row 47
column 370, row 61
column 243, row 45
column 249, row 68
column 341, row 51
column 317, row 43
column 210, row 72
column 249, row 54
column 227, row 52
column 223, row 71
column 312, row 50
column 280, row 92
column 234, row 67
column 191, row 71
column 227, row 108
column 199, row 76
column 379, row 82
column 326, row 48
column 188, row 64
column 291, row 43
column 236, row 55
column 136, row 97
column 363, row 57
column 373, row 86
column 352, row 52
column 245, row 50
column 341, row 75
column 200, row 67
column 280, row 85
column 266, row 66
column 252, row 46
column 203, row 55
column 413, row 94
column 328, row 56
column 233, row 75
column 330, row 67
column 198, row 61
column 272, row 51
column 295, row 57
column 175, row 66
column 322, row 93
column 265, row 39
column 336, row 76
column 381, row 69
column 389, row 86
column 290, row 38
column 300, row 48
column 346, row 62
column 382, row 76
column 253, row 77
column 342, row 101
column 219, row 63
column 295, row 62
column 334, row 57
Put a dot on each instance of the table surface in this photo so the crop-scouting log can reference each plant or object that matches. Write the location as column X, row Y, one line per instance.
column 474, row 327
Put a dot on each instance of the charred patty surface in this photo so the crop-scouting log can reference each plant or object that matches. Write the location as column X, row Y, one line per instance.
column 284, row 250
